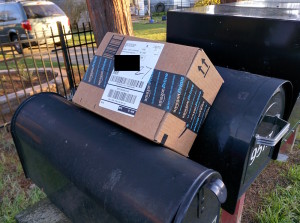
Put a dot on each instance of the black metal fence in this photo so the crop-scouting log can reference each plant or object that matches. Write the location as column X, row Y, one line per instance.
column 49, row 63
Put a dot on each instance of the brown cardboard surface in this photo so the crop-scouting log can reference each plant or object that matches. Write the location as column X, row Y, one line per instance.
column 89, row 96
column 183, row 55
column 179, row 138
column 211, row 83
column 149, row 121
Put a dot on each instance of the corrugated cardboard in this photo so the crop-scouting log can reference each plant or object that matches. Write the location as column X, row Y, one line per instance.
column 175, row 125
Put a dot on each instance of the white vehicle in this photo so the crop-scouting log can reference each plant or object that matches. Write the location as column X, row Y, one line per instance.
column 35, row 17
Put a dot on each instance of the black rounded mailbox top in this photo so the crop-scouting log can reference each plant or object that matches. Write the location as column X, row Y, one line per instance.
column 107, row 173
column 243, row 129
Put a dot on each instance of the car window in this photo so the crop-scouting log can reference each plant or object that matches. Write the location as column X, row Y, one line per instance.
column 7, row 16
column 42, row 11
column 8, row 13
column 2, row 16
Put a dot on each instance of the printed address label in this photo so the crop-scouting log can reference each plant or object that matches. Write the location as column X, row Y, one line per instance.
column 125, row 89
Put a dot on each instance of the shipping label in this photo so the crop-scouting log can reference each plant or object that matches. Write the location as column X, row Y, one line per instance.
column 124, row 89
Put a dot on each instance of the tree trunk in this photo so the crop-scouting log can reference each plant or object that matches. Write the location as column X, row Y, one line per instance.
column 109, row 16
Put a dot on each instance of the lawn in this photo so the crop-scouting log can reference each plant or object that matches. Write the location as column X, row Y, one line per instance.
column 274, row 197
column 30, row 64
column 81, row 38
column 16, row 192
column 283, row 203
column 155, row 31
column 142, row 29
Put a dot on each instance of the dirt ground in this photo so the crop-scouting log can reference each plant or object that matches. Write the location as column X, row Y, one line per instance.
column 266, row 182
column 22, row 81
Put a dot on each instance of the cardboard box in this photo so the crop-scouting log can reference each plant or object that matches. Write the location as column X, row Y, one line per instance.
column 166, row 101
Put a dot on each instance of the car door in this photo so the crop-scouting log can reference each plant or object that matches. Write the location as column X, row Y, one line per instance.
column 43, row 17
column 11, row 21
column 3, row 36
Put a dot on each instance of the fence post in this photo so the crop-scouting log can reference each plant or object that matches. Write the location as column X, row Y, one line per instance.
column 66, row 58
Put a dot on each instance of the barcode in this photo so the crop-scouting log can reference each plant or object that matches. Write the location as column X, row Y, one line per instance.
column 113, row 46
column 129, row 98
column 127, row 81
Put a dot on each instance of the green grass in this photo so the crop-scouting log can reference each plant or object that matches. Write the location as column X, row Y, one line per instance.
column 142, row 29
column 283, row 204
column 29, row 62
column 16, row 193
column 155, row 31
column 81, row 39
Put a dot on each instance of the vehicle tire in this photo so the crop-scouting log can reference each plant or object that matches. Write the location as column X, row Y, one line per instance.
column 17, row 45
column 160, row 7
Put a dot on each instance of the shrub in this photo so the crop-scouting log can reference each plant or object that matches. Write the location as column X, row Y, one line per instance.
column 206, row 2
column 74, row 10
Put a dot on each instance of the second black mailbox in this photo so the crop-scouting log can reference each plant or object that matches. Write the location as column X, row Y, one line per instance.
column 242, row 130
column 96, row 171
column 264, row 41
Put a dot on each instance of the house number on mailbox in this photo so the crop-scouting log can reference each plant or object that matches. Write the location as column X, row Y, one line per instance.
column 257, row 151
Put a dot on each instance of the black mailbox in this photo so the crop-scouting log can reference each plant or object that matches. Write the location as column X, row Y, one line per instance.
column 264, row 41
column 96, row 171
column 267, row 4
column 280, row 1
column 243, row 129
